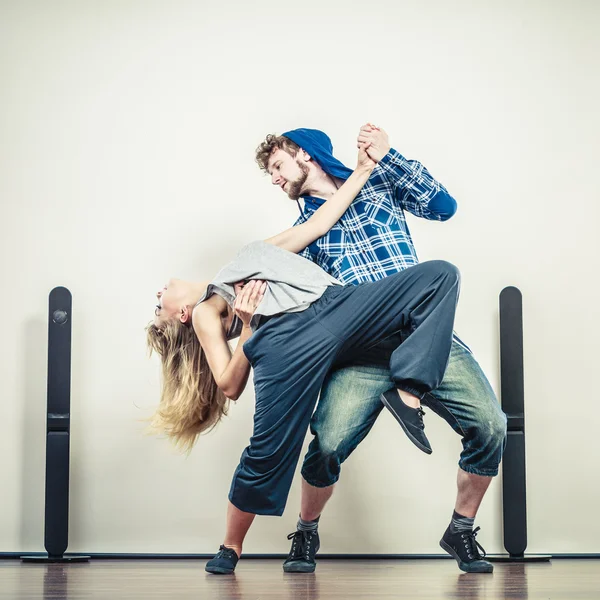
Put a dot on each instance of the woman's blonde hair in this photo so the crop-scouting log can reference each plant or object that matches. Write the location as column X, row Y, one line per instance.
column 191, row 403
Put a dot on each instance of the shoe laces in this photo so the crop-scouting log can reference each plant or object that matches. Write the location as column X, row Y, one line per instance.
column 421, row 414
column 301, row 544
column 228, row 553
column 472, row 545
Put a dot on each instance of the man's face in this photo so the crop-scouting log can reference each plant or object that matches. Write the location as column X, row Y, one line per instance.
column 288, row 172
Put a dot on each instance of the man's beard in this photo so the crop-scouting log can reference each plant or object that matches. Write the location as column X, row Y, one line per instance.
column 297, row 186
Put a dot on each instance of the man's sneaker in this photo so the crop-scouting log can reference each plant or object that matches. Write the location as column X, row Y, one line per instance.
column 463, row 546
column 301, row 559
column 223, row 563
column 410, row 419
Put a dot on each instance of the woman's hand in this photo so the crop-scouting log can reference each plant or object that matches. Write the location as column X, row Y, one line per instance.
column 295, row 239
column 247, row 299
column 364, row 162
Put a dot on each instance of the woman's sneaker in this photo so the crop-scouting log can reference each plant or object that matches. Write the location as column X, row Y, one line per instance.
column 301, row 559
column 463, row 546
column 410, row 419
column 223, row 563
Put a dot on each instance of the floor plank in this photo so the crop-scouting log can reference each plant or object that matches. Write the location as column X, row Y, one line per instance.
column 562, row 579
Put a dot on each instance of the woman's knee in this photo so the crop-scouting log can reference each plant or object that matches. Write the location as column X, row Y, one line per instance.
column 443, row 268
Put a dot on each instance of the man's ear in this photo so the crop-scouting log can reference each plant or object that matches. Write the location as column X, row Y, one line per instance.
column 303, row 155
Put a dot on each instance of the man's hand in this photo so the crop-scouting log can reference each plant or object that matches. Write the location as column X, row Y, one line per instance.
column 375, row 141
column 248, row 298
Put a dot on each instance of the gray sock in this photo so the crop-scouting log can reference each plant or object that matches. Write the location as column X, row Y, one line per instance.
column 460, row 523
column 308, row 525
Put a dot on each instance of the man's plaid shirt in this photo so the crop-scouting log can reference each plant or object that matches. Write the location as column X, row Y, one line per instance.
column 372, row 240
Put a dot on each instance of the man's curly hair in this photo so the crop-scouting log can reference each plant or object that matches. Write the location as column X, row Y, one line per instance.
column 264, row 151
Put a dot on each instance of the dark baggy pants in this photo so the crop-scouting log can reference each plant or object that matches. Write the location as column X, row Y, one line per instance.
column 292, row 353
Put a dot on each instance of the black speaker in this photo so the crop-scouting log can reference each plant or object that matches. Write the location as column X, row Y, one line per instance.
column 58, row 427
column 514, row 481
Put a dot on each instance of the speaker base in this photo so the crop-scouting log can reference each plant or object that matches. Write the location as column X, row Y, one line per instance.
column 508, row 558
column 55, row 559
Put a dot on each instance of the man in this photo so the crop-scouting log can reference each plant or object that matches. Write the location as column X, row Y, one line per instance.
column 372, row 241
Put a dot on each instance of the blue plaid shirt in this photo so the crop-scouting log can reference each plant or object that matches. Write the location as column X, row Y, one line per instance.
column 372, row 240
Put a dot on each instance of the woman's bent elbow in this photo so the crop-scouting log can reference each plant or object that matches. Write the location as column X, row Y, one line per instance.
column 230, row 392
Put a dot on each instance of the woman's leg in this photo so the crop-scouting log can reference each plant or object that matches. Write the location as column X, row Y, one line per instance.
column 409, row 399
column 238, row 524
column 291, row 356
column 421, row 301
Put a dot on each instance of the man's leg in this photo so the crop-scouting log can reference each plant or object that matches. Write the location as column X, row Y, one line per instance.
column 471, row 490
column 420, row 300
column 348, row 407
column 467, row 402
column 313, row 500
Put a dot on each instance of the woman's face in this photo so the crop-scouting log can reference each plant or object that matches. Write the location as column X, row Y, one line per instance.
column 171, row 300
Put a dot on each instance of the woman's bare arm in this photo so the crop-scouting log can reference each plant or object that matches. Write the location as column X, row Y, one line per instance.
column 230, row 370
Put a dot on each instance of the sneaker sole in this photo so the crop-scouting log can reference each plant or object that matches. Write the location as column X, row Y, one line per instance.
column 410, row 436
column 218, row 570
column 299, row 567
column 462, row 565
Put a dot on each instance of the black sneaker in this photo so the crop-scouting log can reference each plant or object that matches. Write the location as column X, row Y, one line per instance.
column 463, row 546
column 223, row 563
column 410, row 419
column 301, row 559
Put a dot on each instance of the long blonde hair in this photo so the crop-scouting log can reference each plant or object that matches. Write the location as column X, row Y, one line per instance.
column 191, row 403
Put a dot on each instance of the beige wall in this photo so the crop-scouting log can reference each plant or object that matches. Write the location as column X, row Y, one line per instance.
column 127, row 132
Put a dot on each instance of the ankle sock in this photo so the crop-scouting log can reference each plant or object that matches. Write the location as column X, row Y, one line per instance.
column 461, row 523
column 308, row 525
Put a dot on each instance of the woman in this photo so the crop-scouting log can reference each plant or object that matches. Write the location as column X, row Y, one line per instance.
column 294, row 322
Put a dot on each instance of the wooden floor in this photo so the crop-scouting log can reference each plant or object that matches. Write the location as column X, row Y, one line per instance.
column 561, row 579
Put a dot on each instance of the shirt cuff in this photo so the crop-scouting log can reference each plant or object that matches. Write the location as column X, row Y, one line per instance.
column 394, row 159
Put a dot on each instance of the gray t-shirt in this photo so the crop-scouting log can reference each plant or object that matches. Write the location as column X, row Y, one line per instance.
column 293, row 282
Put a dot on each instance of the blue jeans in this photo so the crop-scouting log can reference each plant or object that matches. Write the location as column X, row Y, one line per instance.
column 349, row 405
